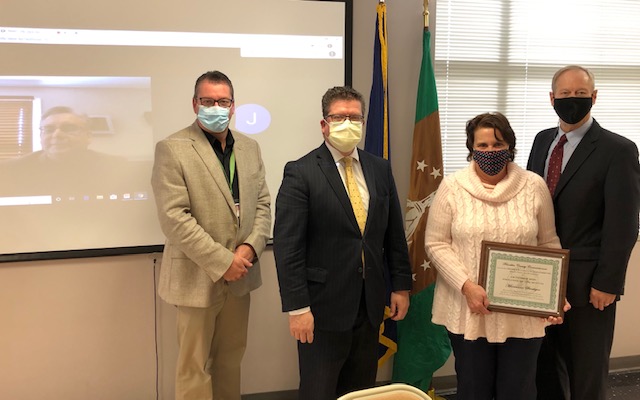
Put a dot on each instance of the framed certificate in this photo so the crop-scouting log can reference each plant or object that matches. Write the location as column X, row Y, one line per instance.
column 525, row 280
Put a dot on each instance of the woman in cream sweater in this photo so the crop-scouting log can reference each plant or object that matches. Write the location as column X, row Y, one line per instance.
column 492, row 199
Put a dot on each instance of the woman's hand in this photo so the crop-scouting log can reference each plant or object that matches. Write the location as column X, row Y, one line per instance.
column 477, row 299
column 559, row 320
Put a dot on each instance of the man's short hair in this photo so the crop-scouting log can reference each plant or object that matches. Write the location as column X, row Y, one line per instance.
column 60, row 110
column 213, row 77
column 65, row 110
column 562, row 70
column 340, row 93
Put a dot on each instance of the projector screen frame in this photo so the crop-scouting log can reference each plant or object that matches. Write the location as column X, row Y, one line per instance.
column 150, row 249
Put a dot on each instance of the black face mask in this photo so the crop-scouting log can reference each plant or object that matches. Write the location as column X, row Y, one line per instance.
column 572, row 109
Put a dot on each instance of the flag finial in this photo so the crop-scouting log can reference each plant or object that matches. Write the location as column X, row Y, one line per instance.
column 426, row 14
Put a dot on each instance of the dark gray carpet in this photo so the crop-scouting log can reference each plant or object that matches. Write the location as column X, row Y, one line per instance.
column 622, row 386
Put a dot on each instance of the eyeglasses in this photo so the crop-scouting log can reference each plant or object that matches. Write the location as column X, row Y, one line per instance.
column 64, row 128
column 209, row 102
column 358, row 119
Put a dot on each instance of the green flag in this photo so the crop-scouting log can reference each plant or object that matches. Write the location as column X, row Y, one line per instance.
column 422, row 346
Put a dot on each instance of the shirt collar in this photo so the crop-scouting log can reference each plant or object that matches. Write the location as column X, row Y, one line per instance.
column 216, row 144
column 575, row 136
column 337, row 156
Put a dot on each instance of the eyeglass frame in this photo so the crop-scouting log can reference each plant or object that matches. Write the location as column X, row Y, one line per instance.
column 343, row 118
column 64, row 128
column 215, row 101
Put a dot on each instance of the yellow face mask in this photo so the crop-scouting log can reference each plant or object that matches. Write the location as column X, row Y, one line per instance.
column 345, row 135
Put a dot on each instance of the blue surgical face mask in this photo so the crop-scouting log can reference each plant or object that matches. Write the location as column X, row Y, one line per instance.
column 214, row 118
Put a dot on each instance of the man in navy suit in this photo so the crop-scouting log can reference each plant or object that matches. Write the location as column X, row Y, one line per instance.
column 338, row 219
column 596, row 200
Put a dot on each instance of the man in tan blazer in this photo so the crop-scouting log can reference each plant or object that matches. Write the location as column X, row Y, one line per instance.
column 214, row 208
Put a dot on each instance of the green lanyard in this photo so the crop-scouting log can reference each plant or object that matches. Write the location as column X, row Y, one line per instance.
column 232, row 169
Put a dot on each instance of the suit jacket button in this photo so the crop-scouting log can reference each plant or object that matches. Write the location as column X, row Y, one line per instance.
column 359, row 269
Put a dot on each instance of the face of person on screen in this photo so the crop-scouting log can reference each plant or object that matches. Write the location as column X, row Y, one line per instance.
column 64, row 134
column 208, row 95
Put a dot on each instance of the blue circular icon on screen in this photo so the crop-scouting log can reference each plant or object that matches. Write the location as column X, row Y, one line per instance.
column 252, row 118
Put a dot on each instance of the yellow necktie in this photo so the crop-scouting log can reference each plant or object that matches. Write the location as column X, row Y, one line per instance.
column 354, row 194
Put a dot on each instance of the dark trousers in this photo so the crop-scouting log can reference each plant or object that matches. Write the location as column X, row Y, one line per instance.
column 339, row 362
column 500, row 371
column 574, row 358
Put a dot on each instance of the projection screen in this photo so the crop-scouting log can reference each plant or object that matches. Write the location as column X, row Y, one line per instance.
column 127, row 69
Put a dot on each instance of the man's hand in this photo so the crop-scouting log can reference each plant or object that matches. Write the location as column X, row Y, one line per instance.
column 399, row 305
column 600, row 300
column 477, row 299
column 246, row 251
column 238, row 268
column 301, row 327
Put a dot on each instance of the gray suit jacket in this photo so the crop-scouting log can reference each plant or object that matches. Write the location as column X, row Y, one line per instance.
column 197, row 215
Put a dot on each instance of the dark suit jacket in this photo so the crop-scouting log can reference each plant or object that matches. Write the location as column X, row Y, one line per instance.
column 596, row 205
column 317, row 243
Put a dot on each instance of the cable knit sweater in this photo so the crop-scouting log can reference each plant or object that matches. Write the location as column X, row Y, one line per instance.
column 464, row 212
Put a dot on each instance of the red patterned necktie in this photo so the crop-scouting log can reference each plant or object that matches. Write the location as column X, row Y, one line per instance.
column 555, row 164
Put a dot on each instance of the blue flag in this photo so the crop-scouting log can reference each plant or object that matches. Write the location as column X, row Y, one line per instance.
column 377, row 133
column 377, row 142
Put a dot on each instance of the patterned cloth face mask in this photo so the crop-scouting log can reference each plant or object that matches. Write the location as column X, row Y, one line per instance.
column 491, row 162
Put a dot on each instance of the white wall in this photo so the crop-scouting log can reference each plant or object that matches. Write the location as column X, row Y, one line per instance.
column 79, row 329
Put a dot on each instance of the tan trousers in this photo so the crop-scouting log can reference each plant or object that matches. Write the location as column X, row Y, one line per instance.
column 211, row 344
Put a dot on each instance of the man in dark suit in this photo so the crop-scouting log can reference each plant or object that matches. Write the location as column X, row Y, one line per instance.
column 596, row 200
column 337, row 219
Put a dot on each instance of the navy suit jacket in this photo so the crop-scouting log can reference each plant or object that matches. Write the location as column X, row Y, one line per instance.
column 318, row 245
column 596, row 206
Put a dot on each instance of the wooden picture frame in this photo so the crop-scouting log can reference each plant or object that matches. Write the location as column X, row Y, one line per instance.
column 524, row 280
